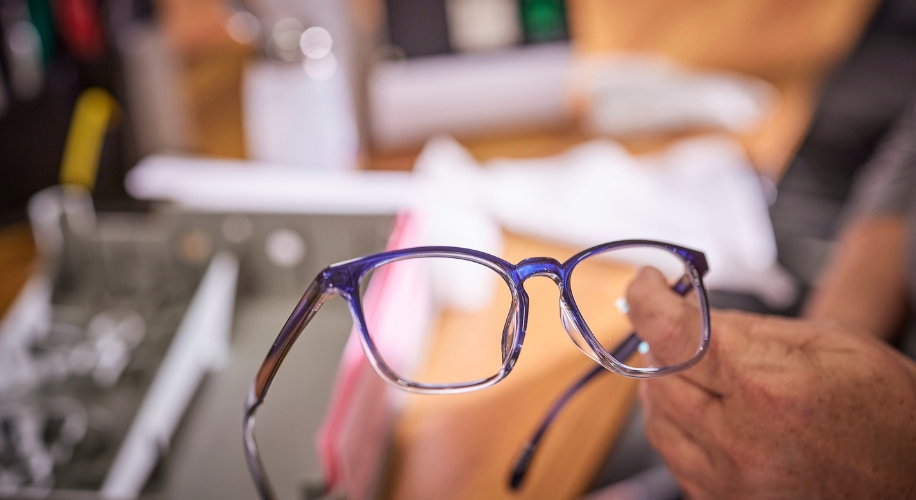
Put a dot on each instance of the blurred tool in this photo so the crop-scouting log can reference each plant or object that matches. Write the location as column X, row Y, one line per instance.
column 54, row 211
column 42, row 17
column 297, row 96
column 23, row 49
column 297, row 101
column 482, row 24
column 229, row 185
column 243, row 25
column 105, row 361
column 39, row 434
column 81, row 28
column 4, row 95
column 92, row 115
column 201, row 344
column 413, row 100
column 159, row 117
column 420, row 28
column 49, row 56
column 487, row 66
column 544, row 20
column 283, row 40
column 300, row 114
column 699, row 192
column 637, row 94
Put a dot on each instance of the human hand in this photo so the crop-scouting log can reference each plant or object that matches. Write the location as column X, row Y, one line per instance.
column 779, row 408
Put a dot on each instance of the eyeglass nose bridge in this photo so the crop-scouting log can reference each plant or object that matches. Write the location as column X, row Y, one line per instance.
column 551, row 268
column 540, row 266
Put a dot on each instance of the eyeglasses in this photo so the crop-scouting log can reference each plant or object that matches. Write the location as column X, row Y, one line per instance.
column 598, row 327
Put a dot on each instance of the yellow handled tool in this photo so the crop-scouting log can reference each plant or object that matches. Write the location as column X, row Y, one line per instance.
column 92, row 115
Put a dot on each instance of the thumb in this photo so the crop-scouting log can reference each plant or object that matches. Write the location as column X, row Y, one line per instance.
column 671, row 325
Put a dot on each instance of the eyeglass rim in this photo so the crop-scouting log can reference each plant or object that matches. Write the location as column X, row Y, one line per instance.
column 364, row 265
column 696, row 265
column 514, row 275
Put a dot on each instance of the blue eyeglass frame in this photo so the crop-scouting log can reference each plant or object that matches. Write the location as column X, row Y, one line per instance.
column 343, row 279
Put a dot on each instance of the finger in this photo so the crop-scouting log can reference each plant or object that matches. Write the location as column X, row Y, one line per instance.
column 692, row 409
column 665, row 320
column 671, row 325
column 680, row 449
column 686, row 459
column 690, row 405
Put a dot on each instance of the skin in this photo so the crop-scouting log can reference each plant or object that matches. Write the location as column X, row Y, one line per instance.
column 779, row 408
column 863, row 285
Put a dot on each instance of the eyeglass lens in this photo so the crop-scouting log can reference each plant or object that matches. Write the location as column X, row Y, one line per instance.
column 399, row 302
column 609, row 320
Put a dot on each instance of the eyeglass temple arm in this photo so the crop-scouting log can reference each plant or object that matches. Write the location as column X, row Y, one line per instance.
column 624, row 350
column 311, row 301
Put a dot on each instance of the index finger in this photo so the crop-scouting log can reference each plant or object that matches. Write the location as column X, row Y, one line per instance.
column 671, row 327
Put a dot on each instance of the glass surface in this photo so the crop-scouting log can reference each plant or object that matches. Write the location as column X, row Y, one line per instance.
column 607, row 312
column 470, row 345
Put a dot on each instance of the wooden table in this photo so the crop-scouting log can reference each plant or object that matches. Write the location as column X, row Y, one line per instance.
column 17, row 261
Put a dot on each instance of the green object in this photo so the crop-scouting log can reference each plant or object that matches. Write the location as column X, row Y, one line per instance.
column 40, row 15
column 544, row 20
